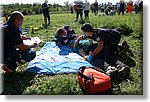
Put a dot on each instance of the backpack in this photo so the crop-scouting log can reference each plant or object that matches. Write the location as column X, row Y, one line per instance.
column 93, row 81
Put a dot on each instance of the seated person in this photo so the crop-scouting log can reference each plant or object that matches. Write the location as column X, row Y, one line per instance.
column 65, row 35
column 14, row 49
column 110, row 11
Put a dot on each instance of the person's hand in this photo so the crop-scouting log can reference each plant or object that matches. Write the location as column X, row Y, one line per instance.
column 34, row 45
column 28, row 38
column 25, row 38
column 81, row 37
column 88, row 58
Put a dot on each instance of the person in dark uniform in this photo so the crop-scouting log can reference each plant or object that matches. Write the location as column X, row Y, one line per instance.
column 46, row 15
column 107, row 43
column 140, row 7
column 95, row 7
column 122, row 6
column 79, row 9
column 102, row 51
column 71, row 9
column 14, row 50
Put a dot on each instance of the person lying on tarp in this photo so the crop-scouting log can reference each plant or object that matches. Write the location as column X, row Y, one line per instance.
column 65, row 35
column 15, row 50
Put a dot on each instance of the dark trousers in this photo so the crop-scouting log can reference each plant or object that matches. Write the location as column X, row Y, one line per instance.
column 95, row 11
column 103, row 61
column 121, row 10
column 79, row 12
column 16, row 57
column 106, row 12
column 46, row 16
column 106, row 56
column 112, row 44
column 86, row 13
column 99, row 63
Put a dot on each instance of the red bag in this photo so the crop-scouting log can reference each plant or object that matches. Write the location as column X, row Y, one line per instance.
column 93, row 81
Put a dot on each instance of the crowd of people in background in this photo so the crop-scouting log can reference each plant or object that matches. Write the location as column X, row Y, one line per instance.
column 107, row 9
column 83, row 8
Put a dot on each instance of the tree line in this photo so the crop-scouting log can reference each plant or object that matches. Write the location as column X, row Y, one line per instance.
column 29, row 9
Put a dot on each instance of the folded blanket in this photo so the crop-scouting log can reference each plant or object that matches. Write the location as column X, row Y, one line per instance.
column 56, row 59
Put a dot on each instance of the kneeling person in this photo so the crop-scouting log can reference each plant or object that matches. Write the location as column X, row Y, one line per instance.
column 115, row 69
column 107, row 43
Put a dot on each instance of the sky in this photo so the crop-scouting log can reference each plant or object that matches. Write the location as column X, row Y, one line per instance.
column 61, row 2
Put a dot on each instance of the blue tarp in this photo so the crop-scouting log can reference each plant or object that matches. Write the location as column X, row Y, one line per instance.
column 56, row 59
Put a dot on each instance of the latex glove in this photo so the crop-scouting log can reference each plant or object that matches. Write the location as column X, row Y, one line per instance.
column 90, row 58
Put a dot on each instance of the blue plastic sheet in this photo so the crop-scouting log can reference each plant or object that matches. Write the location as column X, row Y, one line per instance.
column 56, row 59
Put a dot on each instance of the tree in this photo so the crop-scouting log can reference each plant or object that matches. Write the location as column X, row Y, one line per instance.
column 67, row 5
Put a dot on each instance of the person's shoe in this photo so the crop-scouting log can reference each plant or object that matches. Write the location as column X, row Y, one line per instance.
column 49, row 23
column 6, row 69
column 75, row 20
column 123, row 72
column 110, row 70
column 118, row 73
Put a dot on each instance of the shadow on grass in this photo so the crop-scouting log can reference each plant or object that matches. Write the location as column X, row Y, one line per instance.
column 15, row 83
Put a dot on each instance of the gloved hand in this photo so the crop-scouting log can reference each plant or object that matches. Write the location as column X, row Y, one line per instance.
column 90, row 58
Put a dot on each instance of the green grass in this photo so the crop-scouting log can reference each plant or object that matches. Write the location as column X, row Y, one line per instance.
column 129, row 24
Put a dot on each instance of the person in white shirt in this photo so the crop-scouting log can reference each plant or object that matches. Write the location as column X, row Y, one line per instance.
column 86, row 9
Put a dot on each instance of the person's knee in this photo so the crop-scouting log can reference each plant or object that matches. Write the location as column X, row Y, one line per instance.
column 28, row 55
column 11, row 64
column 32, row 55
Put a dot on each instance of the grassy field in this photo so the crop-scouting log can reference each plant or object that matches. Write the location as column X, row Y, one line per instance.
column 130, row 26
